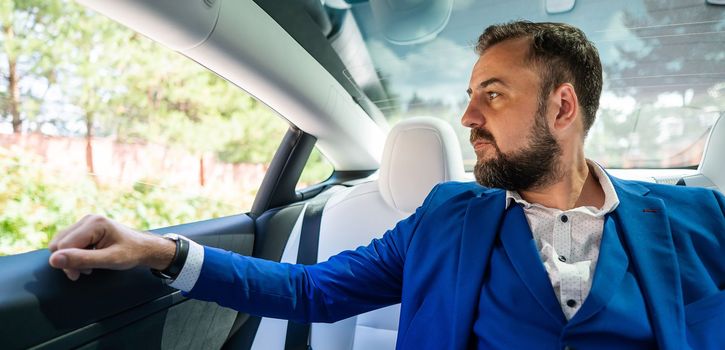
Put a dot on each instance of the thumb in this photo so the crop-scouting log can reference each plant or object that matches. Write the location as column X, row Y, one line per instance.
column 81, row 259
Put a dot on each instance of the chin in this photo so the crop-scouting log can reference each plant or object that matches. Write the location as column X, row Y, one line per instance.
column 484, row 154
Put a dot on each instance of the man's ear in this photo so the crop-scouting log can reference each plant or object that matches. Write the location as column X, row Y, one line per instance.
column 567, row 104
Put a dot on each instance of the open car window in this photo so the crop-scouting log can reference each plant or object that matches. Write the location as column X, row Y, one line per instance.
column 99, row 119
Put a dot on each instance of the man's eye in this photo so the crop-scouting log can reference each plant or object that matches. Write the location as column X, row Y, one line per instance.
column 492, row 95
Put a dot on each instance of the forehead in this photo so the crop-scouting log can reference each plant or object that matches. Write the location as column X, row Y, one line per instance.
column 506, row 61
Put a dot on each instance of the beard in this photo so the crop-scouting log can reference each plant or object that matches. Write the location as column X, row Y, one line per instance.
column 534, row 166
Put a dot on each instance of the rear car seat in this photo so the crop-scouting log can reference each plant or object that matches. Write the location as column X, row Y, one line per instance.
column 419, row 153
column 711, row 171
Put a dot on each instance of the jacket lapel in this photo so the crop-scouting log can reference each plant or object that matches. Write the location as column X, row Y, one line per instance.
column 480, row 226
column 518, row 242
column 646, row 235
column 610, row 271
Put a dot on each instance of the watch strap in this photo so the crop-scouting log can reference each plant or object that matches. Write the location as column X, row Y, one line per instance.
column 177, row 263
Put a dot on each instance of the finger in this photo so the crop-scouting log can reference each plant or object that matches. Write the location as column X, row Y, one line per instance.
column 72, row 274
column 80, row 259
column 85, row 235
column 53, row 245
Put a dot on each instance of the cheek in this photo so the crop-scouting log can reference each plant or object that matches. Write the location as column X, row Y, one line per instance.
column 513, row 136
column 510, row 124
column 511, row 143
column 514, row 129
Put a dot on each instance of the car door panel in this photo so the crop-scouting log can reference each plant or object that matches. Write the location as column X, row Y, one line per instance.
column 39, row 306
column 190, row 324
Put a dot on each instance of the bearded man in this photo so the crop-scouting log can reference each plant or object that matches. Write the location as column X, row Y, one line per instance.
column 549, row 251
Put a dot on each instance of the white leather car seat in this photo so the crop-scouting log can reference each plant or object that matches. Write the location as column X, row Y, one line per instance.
column 419, row 153
column 711, row 171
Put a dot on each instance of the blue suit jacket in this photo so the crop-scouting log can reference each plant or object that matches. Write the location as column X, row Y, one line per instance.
column 434, row 261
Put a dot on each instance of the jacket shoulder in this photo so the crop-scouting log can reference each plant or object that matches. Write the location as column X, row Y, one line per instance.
column 454, row 190
column 671, row 194
column 683, row 195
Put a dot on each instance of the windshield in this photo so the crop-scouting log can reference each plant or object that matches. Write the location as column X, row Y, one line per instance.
column 664, row 77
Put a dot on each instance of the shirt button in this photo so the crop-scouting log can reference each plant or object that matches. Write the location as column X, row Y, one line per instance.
column 562, row 258
column 571, row 303
column 564, row 218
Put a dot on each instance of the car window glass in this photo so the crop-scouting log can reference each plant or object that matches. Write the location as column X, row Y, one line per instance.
column 316, row 170
column 99, row 119
column 662, row 59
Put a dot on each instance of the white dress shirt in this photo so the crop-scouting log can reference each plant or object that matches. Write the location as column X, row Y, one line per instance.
column 568, row 241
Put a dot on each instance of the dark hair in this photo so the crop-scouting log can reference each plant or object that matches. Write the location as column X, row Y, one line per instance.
column 561, row 53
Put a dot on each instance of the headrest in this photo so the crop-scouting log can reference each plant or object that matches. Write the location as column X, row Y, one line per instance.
column 712, row 164
column 711, row 172
column 419, row 153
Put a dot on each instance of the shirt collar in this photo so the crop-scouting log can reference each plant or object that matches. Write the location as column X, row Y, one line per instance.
column 611, row 200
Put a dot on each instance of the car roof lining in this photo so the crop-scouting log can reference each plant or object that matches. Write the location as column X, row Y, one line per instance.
column 295, row 18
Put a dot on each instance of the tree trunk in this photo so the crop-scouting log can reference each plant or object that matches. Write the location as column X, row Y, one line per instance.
column 89, row 143
column 202, row 179
column 13, row 86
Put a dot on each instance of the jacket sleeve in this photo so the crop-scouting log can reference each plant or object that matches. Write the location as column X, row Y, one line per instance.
column 349, row 283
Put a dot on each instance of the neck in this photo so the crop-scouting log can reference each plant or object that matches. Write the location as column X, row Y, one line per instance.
column 577, row 187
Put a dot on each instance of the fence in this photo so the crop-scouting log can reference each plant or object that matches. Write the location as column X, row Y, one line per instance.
column 117, row 163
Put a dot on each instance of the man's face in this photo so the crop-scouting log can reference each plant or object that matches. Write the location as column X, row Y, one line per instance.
column 509, row 121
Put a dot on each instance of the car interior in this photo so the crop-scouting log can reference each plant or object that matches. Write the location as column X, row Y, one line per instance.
column 311, row 62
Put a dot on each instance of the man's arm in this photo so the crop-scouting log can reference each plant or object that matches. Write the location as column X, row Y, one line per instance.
column 349, row 283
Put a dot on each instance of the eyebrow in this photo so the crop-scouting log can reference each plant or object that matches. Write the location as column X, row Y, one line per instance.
column 485, row 84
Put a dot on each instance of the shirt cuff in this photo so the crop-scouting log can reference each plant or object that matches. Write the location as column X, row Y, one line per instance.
column 189, row 274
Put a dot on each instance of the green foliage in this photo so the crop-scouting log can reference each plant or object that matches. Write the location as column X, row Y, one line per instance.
column 316, row 170
column 247, row 144
column 26, row 26
column 36, row 203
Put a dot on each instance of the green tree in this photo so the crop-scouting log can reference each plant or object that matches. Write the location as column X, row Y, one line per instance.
column 29, row 29
column 91, row 67
column 170, row 99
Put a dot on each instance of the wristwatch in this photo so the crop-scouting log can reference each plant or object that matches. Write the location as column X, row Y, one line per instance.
column 177, row 263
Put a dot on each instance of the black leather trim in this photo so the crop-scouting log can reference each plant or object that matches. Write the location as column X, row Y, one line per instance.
column 278, row 186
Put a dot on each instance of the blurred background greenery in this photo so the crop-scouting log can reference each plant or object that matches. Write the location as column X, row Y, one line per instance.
column 70, row 74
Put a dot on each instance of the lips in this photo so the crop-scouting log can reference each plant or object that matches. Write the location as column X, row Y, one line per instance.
column 479, row 144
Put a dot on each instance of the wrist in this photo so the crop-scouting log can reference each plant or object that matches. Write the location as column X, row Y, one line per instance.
column 161, row 252
column 181, row 252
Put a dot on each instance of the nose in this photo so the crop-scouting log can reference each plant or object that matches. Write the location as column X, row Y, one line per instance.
column 472, row 116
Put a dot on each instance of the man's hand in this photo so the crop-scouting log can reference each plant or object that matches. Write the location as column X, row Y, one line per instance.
column 98, row 242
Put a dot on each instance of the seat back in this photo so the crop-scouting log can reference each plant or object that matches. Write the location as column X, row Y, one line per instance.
column 711, row 171
column 419, row 153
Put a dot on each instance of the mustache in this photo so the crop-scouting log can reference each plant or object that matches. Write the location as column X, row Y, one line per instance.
column 481, row 134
